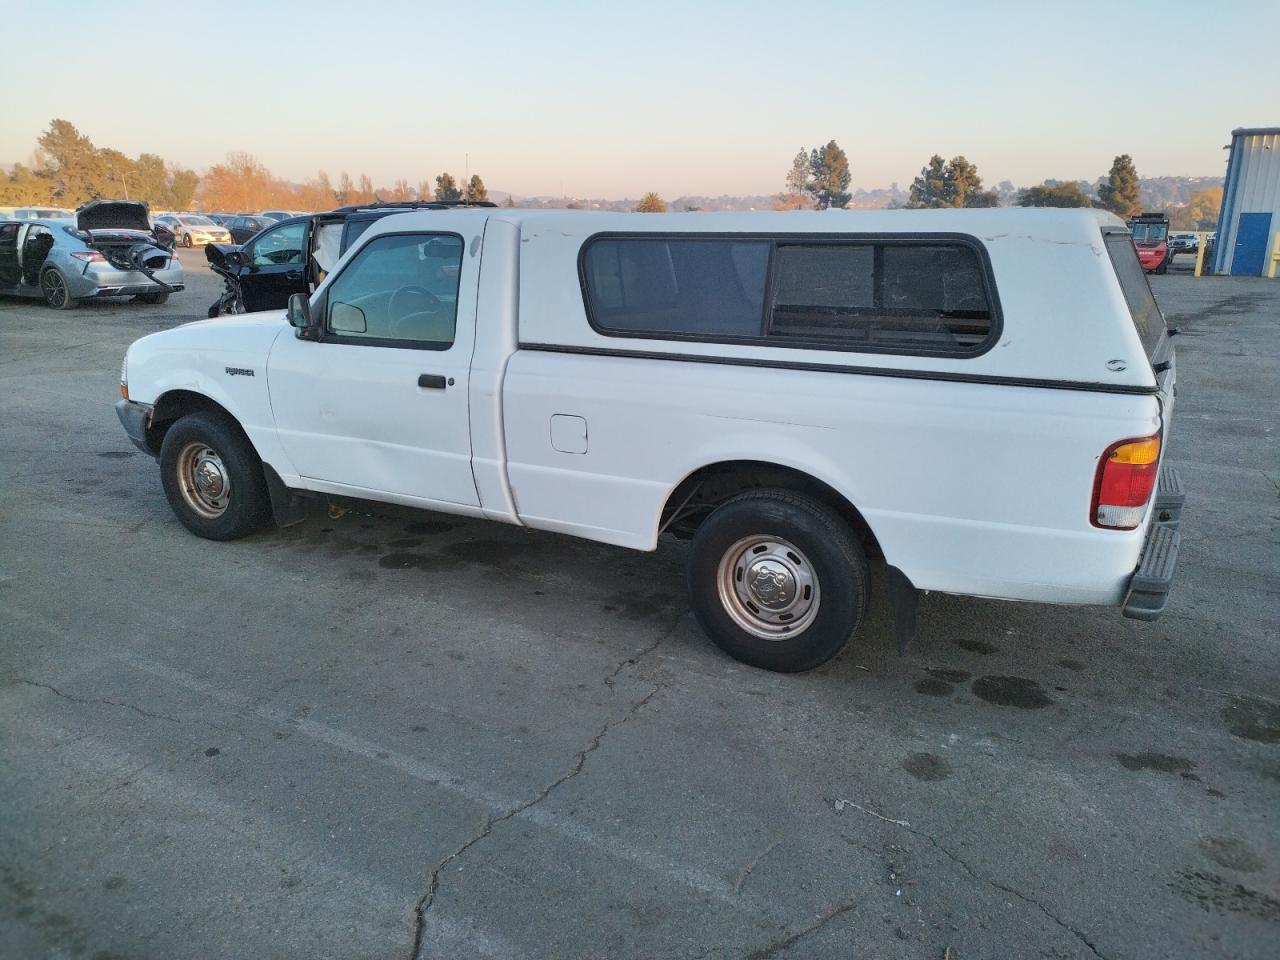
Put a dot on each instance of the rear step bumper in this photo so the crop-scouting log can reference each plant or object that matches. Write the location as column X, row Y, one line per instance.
column 1151, row 582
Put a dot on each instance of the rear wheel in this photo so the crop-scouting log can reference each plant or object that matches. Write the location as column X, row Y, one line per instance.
column 213, row 477
column 778, row 580
column 55, row 291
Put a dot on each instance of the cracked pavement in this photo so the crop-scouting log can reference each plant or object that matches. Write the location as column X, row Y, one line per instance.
column 393, row 734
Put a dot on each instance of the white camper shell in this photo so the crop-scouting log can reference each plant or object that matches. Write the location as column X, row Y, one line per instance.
column 976, row 399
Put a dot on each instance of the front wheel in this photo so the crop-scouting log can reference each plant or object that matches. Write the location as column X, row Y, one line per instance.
column 187, row 241
column 55, row 291
column 212, row 477
column 778, row 580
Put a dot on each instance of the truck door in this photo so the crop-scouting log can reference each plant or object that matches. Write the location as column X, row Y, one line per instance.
column 379, row 403
column 9, row 254
column 274, row 267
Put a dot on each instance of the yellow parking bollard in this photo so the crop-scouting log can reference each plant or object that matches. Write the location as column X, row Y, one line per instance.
column 1275, row 255
column 1201, row 240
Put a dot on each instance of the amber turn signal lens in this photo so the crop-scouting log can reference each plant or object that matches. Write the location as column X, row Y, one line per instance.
column 1136, row 452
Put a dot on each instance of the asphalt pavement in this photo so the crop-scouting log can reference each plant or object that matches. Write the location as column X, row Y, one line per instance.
column 391, row 734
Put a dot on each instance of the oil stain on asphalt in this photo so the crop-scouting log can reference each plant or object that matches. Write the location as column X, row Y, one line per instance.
column 1254, row 720
column 1162, row 762
column 1219, row 895
column 1011, row 692
column 927, row 766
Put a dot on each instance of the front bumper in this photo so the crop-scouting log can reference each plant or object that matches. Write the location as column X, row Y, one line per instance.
column 135, row 418
column 1149, row 587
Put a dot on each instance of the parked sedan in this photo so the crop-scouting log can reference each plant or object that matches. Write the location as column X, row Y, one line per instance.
column 106, row 249
column 278, row 215
column 245, row 226
column 194, row 229
column 40, row 213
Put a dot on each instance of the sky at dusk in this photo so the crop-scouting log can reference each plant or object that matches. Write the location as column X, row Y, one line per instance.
column 613, row 99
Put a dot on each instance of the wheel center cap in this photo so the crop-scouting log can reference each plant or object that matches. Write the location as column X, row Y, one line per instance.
column 771, row 584
column 209, row 479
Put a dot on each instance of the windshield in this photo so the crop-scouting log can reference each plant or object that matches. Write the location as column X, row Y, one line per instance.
column 1149, row 232
column 197, row 221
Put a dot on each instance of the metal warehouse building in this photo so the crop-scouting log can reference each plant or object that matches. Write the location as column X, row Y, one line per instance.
column 1250, row 219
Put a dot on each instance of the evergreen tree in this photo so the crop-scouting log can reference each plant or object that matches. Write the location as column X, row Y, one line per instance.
column 1120, row 193
column 651, row 203
column 150, row 182
column 73, row 166
column 950, row 184
column 1058, row 195
column 929, row 190
column 963, row 186
column 182, row 188
column 476, row 190
column 24, row 187
column 829, row 177
column 447, row 188
column 798, row 175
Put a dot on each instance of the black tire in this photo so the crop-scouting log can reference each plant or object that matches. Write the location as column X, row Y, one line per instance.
column 187, row 241
column 823, row 548
column 1163, row 268
column 152, row 298
column 54, row 288
column 247, row 505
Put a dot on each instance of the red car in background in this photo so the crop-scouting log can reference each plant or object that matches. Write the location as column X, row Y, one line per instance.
column 1151, row 238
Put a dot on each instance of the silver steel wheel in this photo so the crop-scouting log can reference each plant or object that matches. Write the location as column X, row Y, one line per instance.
column 54, row 287
column 203, row 480
column 769, row 587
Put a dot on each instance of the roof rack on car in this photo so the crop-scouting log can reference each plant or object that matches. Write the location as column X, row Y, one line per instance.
column 414, row 205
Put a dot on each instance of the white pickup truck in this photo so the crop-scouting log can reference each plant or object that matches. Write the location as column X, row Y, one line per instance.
column 976, row 399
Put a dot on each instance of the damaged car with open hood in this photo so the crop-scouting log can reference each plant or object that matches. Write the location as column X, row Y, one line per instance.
column 107, row 248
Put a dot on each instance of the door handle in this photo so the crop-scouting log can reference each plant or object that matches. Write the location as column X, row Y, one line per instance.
column 293, row 275
column 432, row 381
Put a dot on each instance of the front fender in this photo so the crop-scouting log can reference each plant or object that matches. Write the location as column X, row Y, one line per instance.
column 223, row 361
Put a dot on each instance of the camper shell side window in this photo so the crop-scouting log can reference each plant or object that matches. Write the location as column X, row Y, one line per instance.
column 929, row 295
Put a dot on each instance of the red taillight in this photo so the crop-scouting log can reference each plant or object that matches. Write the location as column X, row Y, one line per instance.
column 89, row 256
column 1126, row 478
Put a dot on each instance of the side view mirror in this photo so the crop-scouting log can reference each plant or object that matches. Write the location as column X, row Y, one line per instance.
column 299, row 311
column 235, row 258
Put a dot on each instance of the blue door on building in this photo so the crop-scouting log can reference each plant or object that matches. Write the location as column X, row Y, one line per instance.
column 1253, row 234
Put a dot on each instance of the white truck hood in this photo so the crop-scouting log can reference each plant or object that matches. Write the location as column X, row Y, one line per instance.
column 207, row 356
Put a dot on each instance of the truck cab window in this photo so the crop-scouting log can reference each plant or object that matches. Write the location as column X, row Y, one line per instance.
column 400, row 289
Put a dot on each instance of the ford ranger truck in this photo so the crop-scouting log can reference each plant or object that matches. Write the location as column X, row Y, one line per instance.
column 975, row 402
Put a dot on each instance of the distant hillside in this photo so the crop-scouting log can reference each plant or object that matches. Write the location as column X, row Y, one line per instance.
column 1158, row 193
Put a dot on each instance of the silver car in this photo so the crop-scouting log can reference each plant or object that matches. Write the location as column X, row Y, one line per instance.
column 194, row 229
column 106, row 249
